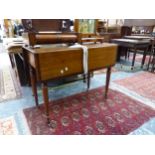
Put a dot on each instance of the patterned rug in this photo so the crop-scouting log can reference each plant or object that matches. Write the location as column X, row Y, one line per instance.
column 142, row 83
column 9, row 85
column 89, row 113
column 8, row 126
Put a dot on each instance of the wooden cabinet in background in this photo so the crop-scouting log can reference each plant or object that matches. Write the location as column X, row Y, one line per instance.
column 36, row 25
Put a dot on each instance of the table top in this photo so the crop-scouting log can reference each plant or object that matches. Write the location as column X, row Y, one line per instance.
column 131, row 41
column 49, row 48
column 7, row 41
column 138, row 37
column 13, row 45
column 93, row 38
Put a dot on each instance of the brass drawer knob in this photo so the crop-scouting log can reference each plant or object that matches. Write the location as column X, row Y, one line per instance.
column 66, row 68
column 62, row 71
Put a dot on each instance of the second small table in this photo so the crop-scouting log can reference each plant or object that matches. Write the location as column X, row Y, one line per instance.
column 134, row 44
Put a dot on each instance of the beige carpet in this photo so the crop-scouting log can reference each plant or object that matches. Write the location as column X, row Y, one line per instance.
column 9, row 85
column 1, row 48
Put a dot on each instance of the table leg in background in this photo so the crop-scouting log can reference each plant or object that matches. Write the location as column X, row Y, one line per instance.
column 107, row 81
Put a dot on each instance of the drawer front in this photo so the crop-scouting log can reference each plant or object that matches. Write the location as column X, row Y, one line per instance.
column 102, row 57
column 59, row 64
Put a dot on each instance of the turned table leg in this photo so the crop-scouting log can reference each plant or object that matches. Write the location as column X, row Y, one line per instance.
column 34, row 85
column 107, row 81
column 88, row 81
column 148, row 65
column 144, row 57
column 46, row 101
column 153, row 65
column 150, row 58
column 133, row 60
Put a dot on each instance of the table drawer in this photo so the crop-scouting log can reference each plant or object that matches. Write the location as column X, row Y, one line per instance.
column 60, row 64
column 102, row 57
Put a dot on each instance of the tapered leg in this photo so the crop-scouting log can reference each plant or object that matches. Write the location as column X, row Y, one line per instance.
column 128, row 54
column 107, row 81
column 153, row 64
column 34, row 85
column 143, row 60
column 88, row 81
column 152, row 70
column 11, row 59
column 144, row 56
column 150, row 58
column 26, row 67
column 46, row 101
column 84, row 78
column 148, row 66
column 133, row 60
